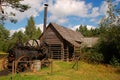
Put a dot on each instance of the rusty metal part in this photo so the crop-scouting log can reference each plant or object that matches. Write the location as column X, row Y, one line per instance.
column 20, row 65
column 31, row 50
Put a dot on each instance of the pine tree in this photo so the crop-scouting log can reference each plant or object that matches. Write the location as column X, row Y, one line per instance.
column 4, row 35
column 31, row 30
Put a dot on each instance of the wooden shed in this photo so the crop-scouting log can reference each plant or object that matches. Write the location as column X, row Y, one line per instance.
column 89, row 42
column 63, row 42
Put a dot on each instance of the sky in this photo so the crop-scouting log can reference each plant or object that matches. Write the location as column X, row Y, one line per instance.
column 68, row 13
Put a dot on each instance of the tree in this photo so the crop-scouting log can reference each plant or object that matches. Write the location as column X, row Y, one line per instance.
column 31, row 30
column 17, row 37
column 4, row 35
column 88, row 33
column 109, row 44
column 112, row 17
column 15, row 4
column 83, row 29
column 38, row 33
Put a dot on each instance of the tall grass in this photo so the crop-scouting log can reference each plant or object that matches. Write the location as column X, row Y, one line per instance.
column 64, row 71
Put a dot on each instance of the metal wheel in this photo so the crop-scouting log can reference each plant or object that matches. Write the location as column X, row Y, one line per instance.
column 22, row 64
column 33, row 43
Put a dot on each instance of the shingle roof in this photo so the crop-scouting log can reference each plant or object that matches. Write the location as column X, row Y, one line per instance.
column 90, row 41
column 69, row 35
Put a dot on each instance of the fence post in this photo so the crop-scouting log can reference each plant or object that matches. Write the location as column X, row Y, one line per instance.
column 13, row 69
column 51, row 66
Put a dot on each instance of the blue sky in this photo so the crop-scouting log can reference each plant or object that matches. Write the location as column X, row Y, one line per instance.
column 68, row 13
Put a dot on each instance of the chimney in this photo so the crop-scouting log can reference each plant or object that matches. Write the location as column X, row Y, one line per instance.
column 1, row 9
column 45, row 18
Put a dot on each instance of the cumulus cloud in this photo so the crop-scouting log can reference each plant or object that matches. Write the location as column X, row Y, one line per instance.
column 60, row 9
column 63, row 8
column 36, row 7
column 70, row 7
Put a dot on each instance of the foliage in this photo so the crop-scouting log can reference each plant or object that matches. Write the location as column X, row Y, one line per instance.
column 90, row 55
column 38, row 33
column 88, row 33
column 3, row 32
column 113, row 13
column 4, row 35
column 115, row 62
column 107, row 49
column 109, row 43
column 31, row 30
column 94, row 58
column 7, row 42
column 15, row 4
column 17, row 37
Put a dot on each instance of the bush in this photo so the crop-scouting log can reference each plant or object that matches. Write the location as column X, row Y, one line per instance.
column 95, row 58
column 115, row 62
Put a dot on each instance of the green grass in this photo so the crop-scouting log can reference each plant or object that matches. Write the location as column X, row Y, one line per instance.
column 63, row 71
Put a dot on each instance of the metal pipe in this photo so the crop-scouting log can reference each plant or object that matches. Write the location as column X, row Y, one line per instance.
column 45, row 18
column 1, row 9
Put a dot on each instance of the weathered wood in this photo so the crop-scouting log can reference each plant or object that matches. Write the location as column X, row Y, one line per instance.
column 61, row 41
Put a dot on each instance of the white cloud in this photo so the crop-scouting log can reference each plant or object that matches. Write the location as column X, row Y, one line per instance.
column 63, row 8
column 75, row 27
column 95, row 12
column 60, row 10
column 70, row 7
column 90, row 27
column 40, row 26
column 36, row 7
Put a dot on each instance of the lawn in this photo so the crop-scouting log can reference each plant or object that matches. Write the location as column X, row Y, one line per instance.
column 63, row 71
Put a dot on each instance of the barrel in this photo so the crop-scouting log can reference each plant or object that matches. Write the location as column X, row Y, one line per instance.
column 37, row 65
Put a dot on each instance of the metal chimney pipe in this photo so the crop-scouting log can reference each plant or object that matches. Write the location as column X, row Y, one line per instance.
column 1, row 9
column 45, row 17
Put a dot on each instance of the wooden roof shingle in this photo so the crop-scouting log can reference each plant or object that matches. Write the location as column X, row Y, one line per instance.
column 90, row 41
column 69, row 35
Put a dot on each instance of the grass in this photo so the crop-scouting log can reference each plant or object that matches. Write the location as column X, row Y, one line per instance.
column 2, row 52
column 63, row 71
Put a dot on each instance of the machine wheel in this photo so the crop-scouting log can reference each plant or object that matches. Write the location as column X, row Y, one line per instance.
column 22, row 64
column 33, row 43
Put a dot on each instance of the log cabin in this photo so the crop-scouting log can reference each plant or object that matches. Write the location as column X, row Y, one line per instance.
column 63, row 43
